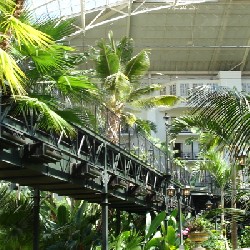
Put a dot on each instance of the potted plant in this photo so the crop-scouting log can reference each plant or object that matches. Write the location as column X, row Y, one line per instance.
column 199, row 228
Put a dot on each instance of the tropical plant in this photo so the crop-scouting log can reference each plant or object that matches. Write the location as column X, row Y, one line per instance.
column 198, row 224
column 225, row 114
column 15, row 220
column 215, row 161
column 72, row 226
column 34, row 65
column 215, row 241
column 160, row 235
column 245, row 237
column 126, row 240
column 120, row 85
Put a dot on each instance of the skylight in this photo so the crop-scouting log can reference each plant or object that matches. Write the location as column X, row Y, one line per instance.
column 59, row 8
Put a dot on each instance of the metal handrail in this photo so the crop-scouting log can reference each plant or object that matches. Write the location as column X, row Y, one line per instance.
column 107, row 124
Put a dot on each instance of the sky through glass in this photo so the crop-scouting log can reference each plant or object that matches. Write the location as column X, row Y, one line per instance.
column 60, row 8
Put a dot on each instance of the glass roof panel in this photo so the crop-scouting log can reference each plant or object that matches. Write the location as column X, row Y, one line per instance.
column 58, row 8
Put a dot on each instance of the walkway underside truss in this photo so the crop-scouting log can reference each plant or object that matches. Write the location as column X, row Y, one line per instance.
column 80, row 168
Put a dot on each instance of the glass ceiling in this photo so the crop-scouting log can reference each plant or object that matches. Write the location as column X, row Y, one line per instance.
column 60, row 8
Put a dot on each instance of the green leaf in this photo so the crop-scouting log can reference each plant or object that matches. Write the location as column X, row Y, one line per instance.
column 170, row 238
column 108, row 62
column 139, row 92
column 155, row 223
column 226, row 113
column 49, row 119
column 156, row 101
column 154, row 242
column 55, row 28
column 125, row 50
column 66, row 82
column 62, row 215
column 137, row 66
column 26, row 34
column 10, row 72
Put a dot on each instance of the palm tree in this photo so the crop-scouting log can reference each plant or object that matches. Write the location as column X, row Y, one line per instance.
column 35, row 66
column 120, row 73
column 215, row 162
column 54, row 79
column 225, row 114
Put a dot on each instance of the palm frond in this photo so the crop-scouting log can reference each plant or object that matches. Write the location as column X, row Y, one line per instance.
column 129, row 118
column 125, row 50
column 26, row 34
column 155, row 101
column 108, row 61
column 145, row 126
column 216, row 164
column 202, row 123
column 137, row 66
column 66, row 82
column 10, row 72
column 6, row 6
column 51, row 60
column 229, row 110
column 49, row 119
column 139, row 92
column 114, row 83
column 57, row 29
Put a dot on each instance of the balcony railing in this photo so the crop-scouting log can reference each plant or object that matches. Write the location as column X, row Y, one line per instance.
column 187, row 155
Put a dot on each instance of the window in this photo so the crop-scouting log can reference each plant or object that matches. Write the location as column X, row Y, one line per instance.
column 172, row 89
column 184, row 89
column 163, row 91
column 246, row 87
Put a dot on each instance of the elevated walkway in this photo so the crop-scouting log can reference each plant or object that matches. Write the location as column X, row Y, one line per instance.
column 85, row 167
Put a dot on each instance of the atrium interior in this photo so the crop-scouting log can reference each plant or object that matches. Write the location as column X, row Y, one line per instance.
column 176, row 155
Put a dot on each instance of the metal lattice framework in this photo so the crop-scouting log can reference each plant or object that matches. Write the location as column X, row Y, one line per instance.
column 131, row 171
column 80, row 167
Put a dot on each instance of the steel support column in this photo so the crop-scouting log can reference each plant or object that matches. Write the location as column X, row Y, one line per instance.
column 118, row 222
column 36, row 221
column 104, row 221
column 104, row 205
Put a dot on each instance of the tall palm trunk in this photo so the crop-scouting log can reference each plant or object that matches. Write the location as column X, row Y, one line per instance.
column 113, row 129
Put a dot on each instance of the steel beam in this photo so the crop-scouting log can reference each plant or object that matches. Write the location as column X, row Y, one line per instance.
column 104, row 205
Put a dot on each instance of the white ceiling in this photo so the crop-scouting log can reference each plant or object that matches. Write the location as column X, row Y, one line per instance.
column 182, row 36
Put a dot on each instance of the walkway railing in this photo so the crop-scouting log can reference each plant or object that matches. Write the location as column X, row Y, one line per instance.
column 107, row 124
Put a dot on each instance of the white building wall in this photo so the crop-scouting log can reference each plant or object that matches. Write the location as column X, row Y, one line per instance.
column 180, row 85
column 231, row 79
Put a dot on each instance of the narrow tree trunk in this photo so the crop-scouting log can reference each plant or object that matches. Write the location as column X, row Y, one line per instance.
column 223, row 227
column 222, row 212
column 113, row 129
column 233, row 206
